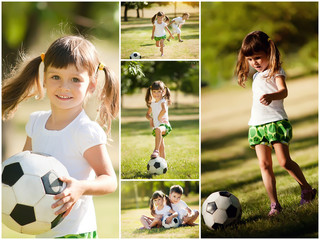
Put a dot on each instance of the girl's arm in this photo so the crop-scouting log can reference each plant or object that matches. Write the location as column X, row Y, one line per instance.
column 153, row 29
column 162, row 112
column 282, row 92
column 105, row 182
column 28, row 144
column 169, row 31
column 148, row 116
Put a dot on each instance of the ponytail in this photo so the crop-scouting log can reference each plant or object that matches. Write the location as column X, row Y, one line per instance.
column 152, row 206
column 167, row 95
column 274, row 60
column 153, row 18
column 242, row 69
column 109, row 99
column 168, row 201
column 148, row 97
column 21, row 87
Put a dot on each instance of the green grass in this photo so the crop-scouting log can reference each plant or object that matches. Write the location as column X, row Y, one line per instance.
column 130, row 224
column 229, row 164
column 181, row 146
column 136, row 37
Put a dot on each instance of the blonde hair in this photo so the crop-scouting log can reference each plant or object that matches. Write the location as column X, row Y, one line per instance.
column 156, row 86
column 255, row 42
column 65, row 51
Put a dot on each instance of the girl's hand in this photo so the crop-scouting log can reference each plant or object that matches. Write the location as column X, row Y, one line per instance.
column 152, row 37
column 266, row 99
column 69, row 196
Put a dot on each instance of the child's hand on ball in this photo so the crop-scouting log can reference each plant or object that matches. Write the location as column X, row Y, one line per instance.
column 69, row 196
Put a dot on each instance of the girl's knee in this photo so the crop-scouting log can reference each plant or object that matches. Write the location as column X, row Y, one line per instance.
column 265, row 165
column 285, row 163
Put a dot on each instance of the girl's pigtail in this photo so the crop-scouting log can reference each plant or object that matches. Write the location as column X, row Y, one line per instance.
column 109, row 99
column 168, row 201
column 274, row 59
column 21, row 87
column 167, row 95
column 166, row 19
column 148, row 97
column 152, row 207
column 153, row 18
column 242, row 69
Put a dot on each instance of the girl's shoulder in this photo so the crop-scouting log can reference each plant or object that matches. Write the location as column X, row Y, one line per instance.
column 39, row 115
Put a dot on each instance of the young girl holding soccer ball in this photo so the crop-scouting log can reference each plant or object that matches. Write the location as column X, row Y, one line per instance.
column 158, row 31
column 269, row 124
column 159, row 120
column 71, row 67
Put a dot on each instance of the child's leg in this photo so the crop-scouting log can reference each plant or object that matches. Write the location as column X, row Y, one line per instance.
column 265, row 162
column 158, row 43
column 285, row 161
column 161, row 149
column 156, row 223
column 179, row 37
column 161, row 46
column 189, row 219
column 159, row 131
column 146, row 221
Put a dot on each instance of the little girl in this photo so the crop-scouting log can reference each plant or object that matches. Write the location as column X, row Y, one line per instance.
column 269, row 124
column 159, row 120
column 71, row 68
column 177, row 23
column 160, row 207
column 158, row 30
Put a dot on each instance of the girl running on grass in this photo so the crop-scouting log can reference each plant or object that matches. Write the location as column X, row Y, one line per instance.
column 158, row 31
column 71, row 67
column 159, row 120
column 269, row 125
column 160, row 207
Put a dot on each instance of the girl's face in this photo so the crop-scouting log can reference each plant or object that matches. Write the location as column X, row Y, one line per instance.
column 159, row 19
column 67, row 87
column 259, row 61
column 157, row 94
column 158, row 201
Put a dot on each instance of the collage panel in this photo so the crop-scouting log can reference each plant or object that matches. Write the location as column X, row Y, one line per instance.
column 49, row 39
column 160, row 120
column 160, row 30
column 160, row 209
column 269, row 182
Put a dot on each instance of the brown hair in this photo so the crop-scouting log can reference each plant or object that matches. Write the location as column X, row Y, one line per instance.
column 65, row 51
column 156, row 86
column 166, row 18
column 156, row 195
column 255, row 42
column 177, row 189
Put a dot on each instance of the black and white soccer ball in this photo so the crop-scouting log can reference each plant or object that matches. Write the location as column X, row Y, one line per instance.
column 135, row 55
column 221, row 209
column 29, row 182
column 157, row 166
column 173, row 224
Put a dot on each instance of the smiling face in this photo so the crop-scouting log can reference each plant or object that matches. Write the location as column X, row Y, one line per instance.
column 157, row 94
column 259, row 61
column 174, row 197
column 158, row 201
column 67, row 87
column 160, row 19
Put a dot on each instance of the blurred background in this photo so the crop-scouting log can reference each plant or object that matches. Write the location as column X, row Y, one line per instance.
column 227, row 162
column 137, row 142
column 136, row 30
column 135, row 200
column 28, row 28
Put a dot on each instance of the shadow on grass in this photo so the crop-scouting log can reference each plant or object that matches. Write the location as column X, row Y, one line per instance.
column 181, row 110
column 149, row 28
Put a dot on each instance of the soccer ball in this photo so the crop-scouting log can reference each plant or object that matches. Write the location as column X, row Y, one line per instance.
column 221, row 209
column 157, row 166
column 29, row 182
column 135, row 55
column 173, row 224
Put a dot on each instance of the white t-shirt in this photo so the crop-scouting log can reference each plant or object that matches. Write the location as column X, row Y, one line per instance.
column 156, row 109
column 159, row 30
column 68, row 146
column 178, row 21
column 262, row 114
column 180, row 208
column 165, row 211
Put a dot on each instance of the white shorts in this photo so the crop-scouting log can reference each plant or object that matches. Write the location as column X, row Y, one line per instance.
column 175, row 29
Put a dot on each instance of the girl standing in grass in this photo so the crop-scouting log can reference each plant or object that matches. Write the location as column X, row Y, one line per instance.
column 71, row 67
column 159, row 120
column 269, row 124
column 160, row 207
column 158, row 30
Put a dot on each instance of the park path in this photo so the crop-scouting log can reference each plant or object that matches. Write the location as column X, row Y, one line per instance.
column 227, row 111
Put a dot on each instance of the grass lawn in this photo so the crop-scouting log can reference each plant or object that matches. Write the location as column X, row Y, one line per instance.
column 229, row 164
column 130, row 224
column 136, row 37
column 181, row 145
